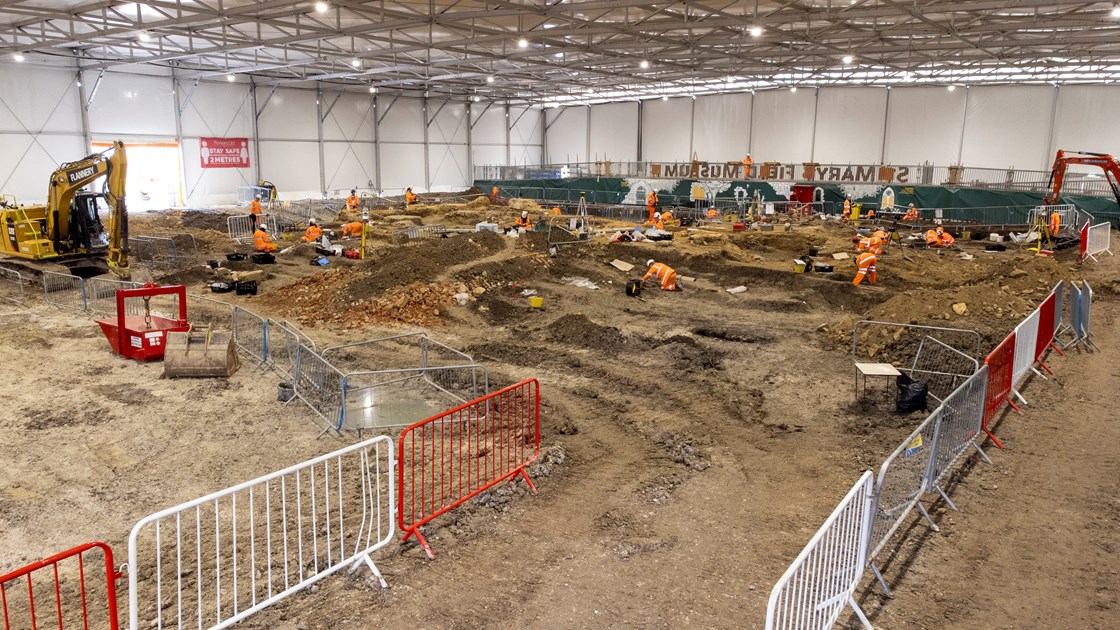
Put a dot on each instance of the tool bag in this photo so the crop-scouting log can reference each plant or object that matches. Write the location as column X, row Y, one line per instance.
column 634, row 288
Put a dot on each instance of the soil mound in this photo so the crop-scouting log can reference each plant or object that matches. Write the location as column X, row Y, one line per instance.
column 422, row 262
column 580, row 331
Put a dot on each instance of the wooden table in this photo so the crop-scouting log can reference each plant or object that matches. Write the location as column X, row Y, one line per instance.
column 873, row 369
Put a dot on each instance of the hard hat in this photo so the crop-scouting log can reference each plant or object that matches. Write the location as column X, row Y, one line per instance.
column 311, row 222
column 524, row 214
column 258, row 196
column 657, row 215
column 940, row 230
column 911, row 205
column 649, row 263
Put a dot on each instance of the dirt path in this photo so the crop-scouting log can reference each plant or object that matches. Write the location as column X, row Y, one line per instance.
column 1035, row 542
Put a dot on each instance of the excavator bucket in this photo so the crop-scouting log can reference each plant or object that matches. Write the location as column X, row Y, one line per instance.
column 203, row 353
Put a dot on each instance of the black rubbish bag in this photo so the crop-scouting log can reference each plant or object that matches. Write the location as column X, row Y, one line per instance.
column 634, row 288
column 912, row 395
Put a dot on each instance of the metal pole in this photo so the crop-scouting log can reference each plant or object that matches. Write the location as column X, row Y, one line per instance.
column 319, row 126
column 470, row 145
column 886, row 121
column 964, row 124
column 1050, row 149
column 813, row 141
column 377, row 142
column 427, row 162
column 640, row 109
column 178, row 132
column 87, row 138
column 256, row 131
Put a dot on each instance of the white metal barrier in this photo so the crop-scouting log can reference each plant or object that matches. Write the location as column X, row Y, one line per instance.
column 245, row 194
column 250, row 334
column 11, row 286
column 821, row 581
column 1087, row 314
column 958, row 428
column 1100, row 239
column 218, row 559
column 1026, row 336
column 241, row 228
column 64, row 291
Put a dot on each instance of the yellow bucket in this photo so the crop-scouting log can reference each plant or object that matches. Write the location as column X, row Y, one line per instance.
column 798, row 266
column 536, row 301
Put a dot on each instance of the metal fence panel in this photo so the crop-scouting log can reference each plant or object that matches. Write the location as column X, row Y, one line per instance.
column 901, row 483
column 250, row 334
column 64, row 291
column 1099, row 240
column 418, row 233
column 1087, row 313
column 218, row 559
column 319, row 385
column 569, row 230
column 11, row 286
column 397, row 398
column 283, row 347
column 899, row 343
column 941, row 366
column 1001, row 364
column 101, row 298
column 959, row 424
column 206, row 311
column 1026, row 337
column 815, row 589
column 1075, row 302
column 42, row 592
column 241, row 228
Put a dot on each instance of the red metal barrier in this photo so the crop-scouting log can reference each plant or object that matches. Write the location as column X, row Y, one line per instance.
column 449, row 458
column 1045, row 329
column 1001, row 366
column 1084, row 241
column 19, row 608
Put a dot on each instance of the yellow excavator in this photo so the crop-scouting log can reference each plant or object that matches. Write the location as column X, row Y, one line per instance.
column 68, row 230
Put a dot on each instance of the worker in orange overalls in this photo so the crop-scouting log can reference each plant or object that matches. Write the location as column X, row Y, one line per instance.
column 713, row 214
column 865, row 265
column 261, row 240
column 657, row 222
column 409, row 197
column 667, row 217
column 663, row 273
column 847, row 208
column 911, row 214
column 524, row 222
column 932, row 237
column 353, row 202
column 556, row 210
column 1055, row 224
column 353, row 229
column 944, row 239
column 871, row 214
column 494, row 193
column 651, row 204
column 312, row 233
column 255, row 210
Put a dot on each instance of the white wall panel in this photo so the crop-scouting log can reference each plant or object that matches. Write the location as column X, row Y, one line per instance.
column 448, row 167
column 489, row 127
column 488, row 155
column 614, row 132
column 130, row 105
column 525, row 154
column 1008, row 126
column 26, row 163
column 665, row 129
column 221, row 110
column 449, row 125
column 289, row 115
column 567, row 134
column 783, row 126
column 722, row 127
column 404, row 120
column 209, row 186
column 850, row 125
column 1087, row 120
column 348, row 165
column 924, row 125
column 293, row 166
column 46, row 100
column 402, row 165
column 351, row 118
column 526, row 125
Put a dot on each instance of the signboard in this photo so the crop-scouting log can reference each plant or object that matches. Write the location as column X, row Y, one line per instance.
column 224, row 152
column 866, row 173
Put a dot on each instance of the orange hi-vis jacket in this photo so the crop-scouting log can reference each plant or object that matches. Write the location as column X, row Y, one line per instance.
column 1055, row 223
column 255, row 206
column 946, row 240
column 847, row 208
column 526, row 223
column 911, row 215
column 409, row 197
column 260, row 240
column 353, row 201
column 667, row 216
column 651, row 204
column 664, row 274
column 352, row 229
column 312, row 234
column 932, row 238
column 865, row 264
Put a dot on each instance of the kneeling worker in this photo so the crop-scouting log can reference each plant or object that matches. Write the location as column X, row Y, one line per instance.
column 911, row 214
column 261, row 240
column 865, row 264
column 524, row 222
column 352, row 229
column 353, row 202
column 663, row 273
column 409, row 197
column 939, row 238
column 313, row 233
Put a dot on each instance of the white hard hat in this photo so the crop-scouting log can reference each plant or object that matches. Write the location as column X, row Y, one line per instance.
column 524, row 214
column 311, row 222
column 649, row 263
column 911, row 205
column 657, row 215
column 258, row 196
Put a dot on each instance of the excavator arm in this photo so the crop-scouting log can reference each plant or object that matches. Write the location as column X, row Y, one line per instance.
column 1064, row 159
column 70, row 178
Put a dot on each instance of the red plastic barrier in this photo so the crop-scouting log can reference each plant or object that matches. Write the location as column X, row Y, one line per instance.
column 451, row 457
column 1045, row 329
column 19, row 608
column 1001, row 366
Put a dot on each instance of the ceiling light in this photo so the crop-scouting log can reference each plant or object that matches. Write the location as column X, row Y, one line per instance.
column 793, row 89
column 952, row 87
column 522, row 43
column 144, row 36
column 372, row 90
column 230, row 77
column 357, row 63
column 490, row 79
column 477, row 99
column 321, row 7
column 1115, row 11
column 756, row 31
column 848, row 59
column 664, row 98
column 79, row 83
column 18, row 57
column 644, row 64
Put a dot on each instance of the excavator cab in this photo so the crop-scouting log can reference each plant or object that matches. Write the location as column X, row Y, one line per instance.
column 87, row 233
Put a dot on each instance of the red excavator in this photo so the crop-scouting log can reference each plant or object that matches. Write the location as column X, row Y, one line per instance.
column 1106, row 162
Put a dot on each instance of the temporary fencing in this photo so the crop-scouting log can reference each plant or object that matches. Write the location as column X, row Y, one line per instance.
column 941, row 366
column 64, row 291
column 241, row 228
column 246, row 194
column 570, row 230
column 218, row 559
column 1046, row 317
column 11, row 286
column 901, row 483
column 899, row 343
column 164, row 251
column 284, row 340
column 1000, row 364
column 250, row 334
column 417, row 233
column 1096, row 240
column 1026, row 340
column 1087, row 314
column 101, row 295
column 958, row 427
column 206, row 311
column 821, row 582
column 447, row 459
column 319, row 385
column 63, row 588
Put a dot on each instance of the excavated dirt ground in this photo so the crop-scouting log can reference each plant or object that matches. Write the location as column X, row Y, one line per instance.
column 692, row 442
